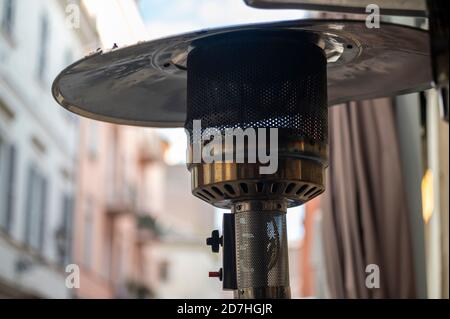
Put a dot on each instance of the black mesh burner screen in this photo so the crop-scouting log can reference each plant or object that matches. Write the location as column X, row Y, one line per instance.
column 271, row 79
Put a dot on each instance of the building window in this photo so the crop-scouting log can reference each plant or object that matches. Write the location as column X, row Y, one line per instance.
column 7, row 183
column 43, row 48
column 8, row 16
column 64, row 233
column 92, row 139
column 88, row 233
column 36, row 205
column 111, row 176
column 164, row 271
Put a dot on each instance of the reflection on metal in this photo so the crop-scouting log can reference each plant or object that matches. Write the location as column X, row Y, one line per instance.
column 220, row 184
column 145, row 84
column 415, row 8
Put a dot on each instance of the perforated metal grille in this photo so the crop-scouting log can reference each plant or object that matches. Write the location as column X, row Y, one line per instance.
column 261, row 249
column 296, row 192
column 259, row 79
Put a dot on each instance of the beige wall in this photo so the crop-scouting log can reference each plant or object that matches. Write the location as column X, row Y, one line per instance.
column 113, row 186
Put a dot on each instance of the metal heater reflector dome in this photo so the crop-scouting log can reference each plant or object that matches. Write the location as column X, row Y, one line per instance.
column 145, row 84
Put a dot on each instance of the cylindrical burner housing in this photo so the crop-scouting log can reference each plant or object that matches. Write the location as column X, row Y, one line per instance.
column 271, row 79
column 262, row 265
column 259, row 80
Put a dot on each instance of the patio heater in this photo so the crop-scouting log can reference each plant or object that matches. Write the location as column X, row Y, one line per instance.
column 281, row 76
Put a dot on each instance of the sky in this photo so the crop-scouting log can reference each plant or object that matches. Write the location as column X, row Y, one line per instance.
column 170, row 17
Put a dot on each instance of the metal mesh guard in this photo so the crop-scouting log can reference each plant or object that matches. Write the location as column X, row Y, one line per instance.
column 261, row 249
column 259, row 79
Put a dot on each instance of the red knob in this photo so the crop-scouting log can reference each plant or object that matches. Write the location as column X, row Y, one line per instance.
column 215, row 274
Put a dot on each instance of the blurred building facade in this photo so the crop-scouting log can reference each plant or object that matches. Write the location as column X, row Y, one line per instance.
column 77, row 191
column 181, row 257
column 138, row 231
column 311, row 257
column 114, row 220
column 38, row 145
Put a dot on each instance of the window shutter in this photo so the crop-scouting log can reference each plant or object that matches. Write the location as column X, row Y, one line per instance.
column 11, row 188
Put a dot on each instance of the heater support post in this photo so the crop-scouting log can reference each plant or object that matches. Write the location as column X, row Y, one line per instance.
column 261, row 249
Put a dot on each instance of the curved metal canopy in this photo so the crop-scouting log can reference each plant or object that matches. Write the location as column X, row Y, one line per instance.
column 145, row 84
